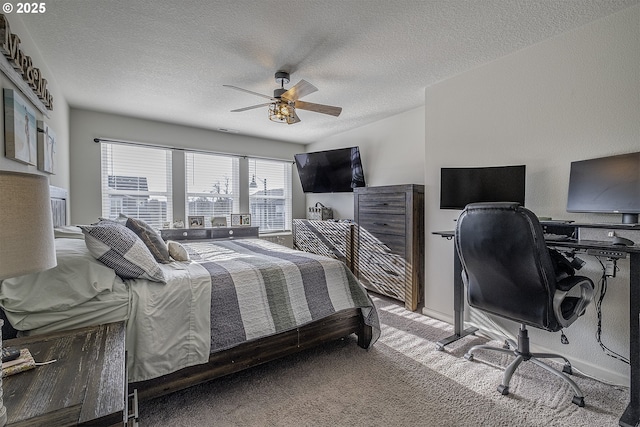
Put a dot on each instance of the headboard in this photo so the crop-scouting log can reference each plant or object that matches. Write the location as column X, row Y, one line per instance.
column 58, row 205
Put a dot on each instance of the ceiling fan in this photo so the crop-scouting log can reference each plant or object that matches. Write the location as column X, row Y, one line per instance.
column 283, row 103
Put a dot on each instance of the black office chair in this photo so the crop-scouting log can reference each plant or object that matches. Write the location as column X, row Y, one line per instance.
column 510, row 272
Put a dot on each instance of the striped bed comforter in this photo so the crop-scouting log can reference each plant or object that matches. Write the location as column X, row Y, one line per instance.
column 259, row 289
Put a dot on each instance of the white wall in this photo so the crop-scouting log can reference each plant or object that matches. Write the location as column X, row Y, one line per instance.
column 85, row 153
column 58, row 120
column 392, row 152
column 573, row 97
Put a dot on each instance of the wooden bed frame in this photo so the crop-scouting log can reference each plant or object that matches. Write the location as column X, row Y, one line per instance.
column 247, row 354
column 257, row 352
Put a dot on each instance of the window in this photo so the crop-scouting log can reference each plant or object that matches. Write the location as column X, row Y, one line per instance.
column 211, row 185
column 136, row 181
column 270, row 194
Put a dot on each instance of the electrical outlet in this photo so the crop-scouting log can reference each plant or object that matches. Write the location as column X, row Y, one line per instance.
column 611, row 234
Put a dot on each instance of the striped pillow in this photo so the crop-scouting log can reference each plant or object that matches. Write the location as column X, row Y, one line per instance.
column 149, row 237
column 119, row 248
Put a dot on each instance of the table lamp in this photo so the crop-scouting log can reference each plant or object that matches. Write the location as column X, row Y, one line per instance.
column 26, row 232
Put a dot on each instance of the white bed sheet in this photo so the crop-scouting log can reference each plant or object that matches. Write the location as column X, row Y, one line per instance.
column 168, row 325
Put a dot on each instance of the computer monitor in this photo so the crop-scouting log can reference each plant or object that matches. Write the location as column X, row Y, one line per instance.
column 461, row 186
column 606, row 185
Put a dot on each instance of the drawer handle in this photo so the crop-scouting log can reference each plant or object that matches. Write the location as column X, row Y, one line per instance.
column 384, row 224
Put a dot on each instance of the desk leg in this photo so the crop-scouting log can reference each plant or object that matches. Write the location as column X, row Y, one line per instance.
column 631, row 415
column 458, row 306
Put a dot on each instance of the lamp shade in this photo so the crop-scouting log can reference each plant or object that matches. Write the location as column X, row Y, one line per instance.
column 26, row 226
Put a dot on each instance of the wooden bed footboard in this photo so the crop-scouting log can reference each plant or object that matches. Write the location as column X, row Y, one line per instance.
column 253, row 353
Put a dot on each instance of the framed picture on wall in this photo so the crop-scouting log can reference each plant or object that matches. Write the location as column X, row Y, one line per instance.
column 19, row 129
column 236, row 219
column 245, row 219
column 46, row 147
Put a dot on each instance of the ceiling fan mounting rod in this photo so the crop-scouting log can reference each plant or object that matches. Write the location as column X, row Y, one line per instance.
column 282, row 77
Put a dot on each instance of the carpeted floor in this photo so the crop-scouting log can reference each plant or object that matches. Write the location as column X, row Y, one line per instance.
column 402, row 381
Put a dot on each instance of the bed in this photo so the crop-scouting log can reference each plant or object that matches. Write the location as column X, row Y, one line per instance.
column 227, row 305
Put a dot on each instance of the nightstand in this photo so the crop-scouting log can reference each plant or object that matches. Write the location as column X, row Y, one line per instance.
column 85, row 386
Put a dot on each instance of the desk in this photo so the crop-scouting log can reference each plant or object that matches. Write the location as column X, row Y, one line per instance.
column 631, row 415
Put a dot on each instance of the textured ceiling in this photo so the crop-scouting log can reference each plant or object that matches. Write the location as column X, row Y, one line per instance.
column 167, row 60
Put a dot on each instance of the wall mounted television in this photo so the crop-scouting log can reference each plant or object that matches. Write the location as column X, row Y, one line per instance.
column 331, row 171
column 606, row 185
column 461, row 186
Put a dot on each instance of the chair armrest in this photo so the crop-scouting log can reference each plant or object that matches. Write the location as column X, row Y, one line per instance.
column 568, row 283
column 567, row 314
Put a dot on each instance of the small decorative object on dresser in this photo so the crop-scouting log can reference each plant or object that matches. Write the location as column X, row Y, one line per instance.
column 240, row 219
column 218, row 221
column 390, row 247
column 320, row 212
column 196, row 221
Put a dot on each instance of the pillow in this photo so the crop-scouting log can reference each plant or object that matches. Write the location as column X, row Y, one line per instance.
column 67, row 232
column 148, row 235
column 120, row 248
column 177, row 251
column 76, row 279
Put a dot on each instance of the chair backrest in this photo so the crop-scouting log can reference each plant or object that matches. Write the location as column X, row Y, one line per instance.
column 506, row 264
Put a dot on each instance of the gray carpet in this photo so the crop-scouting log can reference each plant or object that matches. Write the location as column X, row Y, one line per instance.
column 402, row 381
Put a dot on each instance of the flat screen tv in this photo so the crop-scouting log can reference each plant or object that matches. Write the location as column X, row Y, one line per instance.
column 461, row 186
column 331, row 171
column 606, row 185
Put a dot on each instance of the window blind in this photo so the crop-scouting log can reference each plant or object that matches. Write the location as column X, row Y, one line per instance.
column 136, row 181
column 211, row 186
column 270, row 194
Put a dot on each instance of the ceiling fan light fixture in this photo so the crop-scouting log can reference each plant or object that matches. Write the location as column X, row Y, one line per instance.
column 281, row 112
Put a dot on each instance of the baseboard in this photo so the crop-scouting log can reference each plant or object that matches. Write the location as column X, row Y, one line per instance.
column 438, row 315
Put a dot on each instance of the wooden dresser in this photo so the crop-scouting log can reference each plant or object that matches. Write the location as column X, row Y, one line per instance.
column 241, row 232
column 390, row 244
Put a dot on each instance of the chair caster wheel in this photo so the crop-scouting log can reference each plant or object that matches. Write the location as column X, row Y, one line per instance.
column 469, row 357
column 578, row 401
column 567, row 369
column 439, row 347
column 504, row 390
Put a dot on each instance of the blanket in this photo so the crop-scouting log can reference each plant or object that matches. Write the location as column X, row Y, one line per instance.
column 259, row 289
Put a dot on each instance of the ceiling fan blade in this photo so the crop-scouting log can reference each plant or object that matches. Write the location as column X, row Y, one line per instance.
column 302, row 88
column 319, row 108
column 248, row 91
column 250, row 108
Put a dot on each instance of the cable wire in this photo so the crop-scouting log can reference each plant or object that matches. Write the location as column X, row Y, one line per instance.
column 603, row 291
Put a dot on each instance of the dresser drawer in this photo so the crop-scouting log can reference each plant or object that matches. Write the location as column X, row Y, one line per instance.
column 382, row 224
column 209, row 233
column 384, row 274
column 382, row 203
column 382, row 244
